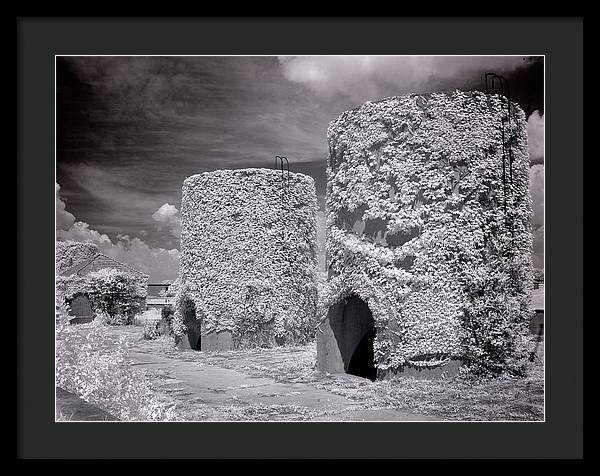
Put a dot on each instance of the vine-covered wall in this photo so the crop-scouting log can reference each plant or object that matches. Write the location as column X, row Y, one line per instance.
column 248, row 255
column 69, row 253
column 428, row 221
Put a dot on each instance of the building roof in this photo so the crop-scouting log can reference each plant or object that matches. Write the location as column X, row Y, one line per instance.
column 97, row 262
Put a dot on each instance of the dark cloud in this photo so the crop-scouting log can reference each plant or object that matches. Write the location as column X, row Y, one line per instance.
column 131, row 129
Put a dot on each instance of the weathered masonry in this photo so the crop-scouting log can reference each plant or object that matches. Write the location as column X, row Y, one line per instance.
column 248, row 260
column 428, row 235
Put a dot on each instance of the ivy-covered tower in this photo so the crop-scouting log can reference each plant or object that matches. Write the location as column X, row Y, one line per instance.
column 428, row 237
column 248, row 260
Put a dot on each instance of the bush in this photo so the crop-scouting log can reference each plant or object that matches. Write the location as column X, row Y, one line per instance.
column 115, row 320
column 90, row 365
column 116, row 294
column 151, row 330
column 149, row 315
column 167, row 314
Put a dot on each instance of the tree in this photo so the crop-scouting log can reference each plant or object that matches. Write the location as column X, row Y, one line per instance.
column 116, row 294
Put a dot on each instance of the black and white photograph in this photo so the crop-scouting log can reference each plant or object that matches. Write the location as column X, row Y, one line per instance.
column 299, row 238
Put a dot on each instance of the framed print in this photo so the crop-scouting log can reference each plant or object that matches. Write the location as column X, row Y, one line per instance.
column 306, row 248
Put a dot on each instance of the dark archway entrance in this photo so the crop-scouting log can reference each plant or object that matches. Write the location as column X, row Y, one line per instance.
column 354, row 329
column 81, row 309
column 192, row 324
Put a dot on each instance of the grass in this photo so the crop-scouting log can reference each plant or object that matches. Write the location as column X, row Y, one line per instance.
column 63, row 416
column 450, row 399
column 91, row 364
column 453, row 399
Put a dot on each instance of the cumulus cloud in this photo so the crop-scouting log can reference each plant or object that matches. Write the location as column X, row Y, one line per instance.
column 535, row 133
column 166, row 217
column 364, row 78
column 81, row 231
column 159, row 263
column 536, row 187
column 64, row 219
column 538, row 247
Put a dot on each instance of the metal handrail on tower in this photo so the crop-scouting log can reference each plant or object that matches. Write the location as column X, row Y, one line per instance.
column 285, row 187
column 285, row 179
column 490, row 88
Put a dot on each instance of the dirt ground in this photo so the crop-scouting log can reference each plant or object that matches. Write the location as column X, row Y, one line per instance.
column 282, row 384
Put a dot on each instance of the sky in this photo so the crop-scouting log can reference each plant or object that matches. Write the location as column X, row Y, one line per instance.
column 131, row 129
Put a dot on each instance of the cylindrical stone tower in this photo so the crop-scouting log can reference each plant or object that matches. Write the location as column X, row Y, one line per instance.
column 428, row 236
column 248, row 260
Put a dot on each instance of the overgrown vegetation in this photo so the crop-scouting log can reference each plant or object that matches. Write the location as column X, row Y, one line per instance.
column 89, row 363
column 116, row 296
column 249, row 264
column 460, row 398
column 69, row 253
column 427, row 224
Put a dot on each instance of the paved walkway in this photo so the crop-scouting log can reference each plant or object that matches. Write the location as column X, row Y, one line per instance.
column 214, row 387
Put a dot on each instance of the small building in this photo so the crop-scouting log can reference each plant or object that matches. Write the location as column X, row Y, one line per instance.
column 158, row 296
column 79, row 303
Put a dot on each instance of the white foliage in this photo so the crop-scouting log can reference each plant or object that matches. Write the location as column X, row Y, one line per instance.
column 248, row 255
column 426, row 173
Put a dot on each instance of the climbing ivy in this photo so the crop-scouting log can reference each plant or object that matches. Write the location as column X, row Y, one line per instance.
column 116, row 294
column 248, row 255
column 416, row 227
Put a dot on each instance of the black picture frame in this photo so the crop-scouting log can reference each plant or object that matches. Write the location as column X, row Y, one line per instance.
column 560, row 40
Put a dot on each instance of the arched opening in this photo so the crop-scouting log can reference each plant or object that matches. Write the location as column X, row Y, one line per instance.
column 80, row 309
column 362, row 360
column 354, row 329
column 192, row 324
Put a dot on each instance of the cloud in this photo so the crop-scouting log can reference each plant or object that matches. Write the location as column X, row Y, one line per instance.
column 64, row 219
column 159, row 263
column 535, row 139
column 536, row 187
column 81, row 231
column 166, row 216
column 364, row 78
column 538, row 247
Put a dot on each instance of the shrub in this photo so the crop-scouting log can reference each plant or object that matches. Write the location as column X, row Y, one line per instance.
column 116, row 294
column 149, row 315
column 151, row 331
column 167, row 314
column 90, row 365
